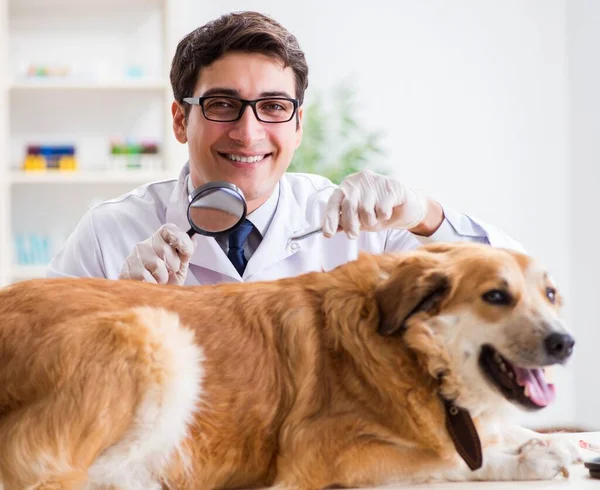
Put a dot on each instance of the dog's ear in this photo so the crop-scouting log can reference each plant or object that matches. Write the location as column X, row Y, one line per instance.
column 418, row 284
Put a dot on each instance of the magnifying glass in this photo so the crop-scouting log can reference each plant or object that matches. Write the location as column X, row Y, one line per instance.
column 215, row 208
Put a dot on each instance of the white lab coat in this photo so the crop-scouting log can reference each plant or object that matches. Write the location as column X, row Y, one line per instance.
column 107, row 234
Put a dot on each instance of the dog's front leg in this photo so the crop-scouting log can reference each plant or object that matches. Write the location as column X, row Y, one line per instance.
column 378, row 463
column 367, row 462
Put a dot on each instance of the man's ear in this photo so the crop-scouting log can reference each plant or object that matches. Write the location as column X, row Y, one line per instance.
column 299, row 130
column 179, row 122
column 418, row 284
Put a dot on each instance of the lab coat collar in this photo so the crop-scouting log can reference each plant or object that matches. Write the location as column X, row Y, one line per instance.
column 289, row 219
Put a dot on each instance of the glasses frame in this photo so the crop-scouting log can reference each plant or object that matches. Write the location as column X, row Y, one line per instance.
column 245, row 102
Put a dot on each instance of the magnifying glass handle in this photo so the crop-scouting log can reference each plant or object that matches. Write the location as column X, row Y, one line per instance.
column 191, row 232
column 307, row 234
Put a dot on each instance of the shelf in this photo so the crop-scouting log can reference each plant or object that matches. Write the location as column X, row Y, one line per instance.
column 44, row 6
column 64, row 84
column 21, row 272
column 114, row 85
column 82, row 177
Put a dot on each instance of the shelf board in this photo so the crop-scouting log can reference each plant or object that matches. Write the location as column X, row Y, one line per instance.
column 86, row 177
column 44, row 6
column 66, row 84
column 21, row 272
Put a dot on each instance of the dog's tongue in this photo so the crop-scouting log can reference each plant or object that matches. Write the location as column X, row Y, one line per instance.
column 539, row 391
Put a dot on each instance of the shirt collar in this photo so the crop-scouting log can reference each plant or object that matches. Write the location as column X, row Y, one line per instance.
column 262, row 216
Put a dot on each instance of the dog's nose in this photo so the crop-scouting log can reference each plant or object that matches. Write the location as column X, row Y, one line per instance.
column 559, row 345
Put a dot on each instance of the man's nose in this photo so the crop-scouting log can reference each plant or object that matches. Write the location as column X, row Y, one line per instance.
column 559, row 346
column 247, row 129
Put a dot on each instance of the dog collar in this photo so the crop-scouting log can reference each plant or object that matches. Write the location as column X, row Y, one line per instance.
column 464, row 435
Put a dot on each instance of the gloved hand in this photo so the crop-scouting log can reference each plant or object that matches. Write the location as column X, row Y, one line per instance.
column 371, row 202
column 161, row 259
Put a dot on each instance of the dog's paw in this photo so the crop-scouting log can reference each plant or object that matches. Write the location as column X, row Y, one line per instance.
column 572, row 450
column 544, row 459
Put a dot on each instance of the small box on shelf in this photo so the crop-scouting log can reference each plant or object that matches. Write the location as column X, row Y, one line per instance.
column 50, row 157
column 134, row 156
column 91, row 75
column 32, row 249
column 45, row 71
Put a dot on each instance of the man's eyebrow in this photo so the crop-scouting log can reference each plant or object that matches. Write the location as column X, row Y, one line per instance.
column 276, row 93
column 234, row 93
column 221, row 91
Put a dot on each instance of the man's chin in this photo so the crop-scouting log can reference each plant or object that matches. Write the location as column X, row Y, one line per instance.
column 256, row 189
column 255, row 197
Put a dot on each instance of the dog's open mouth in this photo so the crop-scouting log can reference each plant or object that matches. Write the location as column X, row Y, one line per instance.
column 527, row 386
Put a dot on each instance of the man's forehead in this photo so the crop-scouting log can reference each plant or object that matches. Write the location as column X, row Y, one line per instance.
column 247, row 75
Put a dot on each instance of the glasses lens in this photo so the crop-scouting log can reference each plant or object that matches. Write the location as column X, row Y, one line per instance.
column 275, row 110
column 222, row 108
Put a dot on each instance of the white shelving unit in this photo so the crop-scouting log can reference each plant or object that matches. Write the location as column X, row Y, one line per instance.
column 118, row 55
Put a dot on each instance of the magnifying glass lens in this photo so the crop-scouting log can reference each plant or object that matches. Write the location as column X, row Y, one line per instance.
column 216, row 208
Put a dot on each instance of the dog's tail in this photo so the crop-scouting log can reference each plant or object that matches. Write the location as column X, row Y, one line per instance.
column 112, row 402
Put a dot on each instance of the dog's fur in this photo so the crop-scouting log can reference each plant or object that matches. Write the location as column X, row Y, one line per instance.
column 326, row 379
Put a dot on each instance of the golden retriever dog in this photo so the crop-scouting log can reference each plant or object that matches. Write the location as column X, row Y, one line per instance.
column 391, row 368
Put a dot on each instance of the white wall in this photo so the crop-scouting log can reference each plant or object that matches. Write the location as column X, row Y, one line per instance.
column 472, row 95
column 583, row 22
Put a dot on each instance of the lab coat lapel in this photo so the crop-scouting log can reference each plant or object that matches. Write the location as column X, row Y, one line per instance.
column 289, row 219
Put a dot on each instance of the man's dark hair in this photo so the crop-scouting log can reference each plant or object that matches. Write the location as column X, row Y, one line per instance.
column 250, row 32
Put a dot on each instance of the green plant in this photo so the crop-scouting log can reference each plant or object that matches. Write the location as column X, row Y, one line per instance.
column 334, row 143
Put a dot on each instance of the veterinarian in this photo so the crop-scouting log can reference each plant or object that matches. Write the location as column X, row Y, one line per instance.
column 222, row 69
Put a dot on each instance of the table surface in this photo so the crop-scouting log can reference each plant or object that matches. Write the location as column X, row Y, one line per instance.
column 579, row 475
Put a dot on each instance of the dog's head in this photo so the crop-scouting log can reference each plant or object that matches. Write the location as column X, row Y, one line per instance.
column 484, row 320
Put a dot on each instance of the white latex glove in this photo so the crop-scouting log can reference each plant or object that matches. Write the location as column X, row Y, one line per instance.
column 371, row 202
column 161, row 259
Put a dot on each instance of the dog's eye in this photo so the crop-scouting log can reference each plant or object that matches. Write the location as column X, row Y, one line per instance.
column 551, row 294
column 497, row 297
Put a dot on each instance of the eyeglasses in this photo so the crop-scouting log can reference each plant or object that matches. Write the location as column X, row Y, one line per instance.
column 228, row 109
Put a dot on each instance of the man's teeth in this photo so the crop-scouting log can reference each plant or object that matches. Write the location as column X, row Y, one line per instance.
column 253, row 159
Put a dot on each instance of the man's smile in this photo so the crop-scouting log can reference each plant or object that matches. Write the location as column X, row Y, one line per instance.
column 245, row 160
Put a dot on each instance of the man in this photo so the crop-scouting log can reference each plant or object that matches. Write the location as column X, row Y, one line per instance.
column 238, row 86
